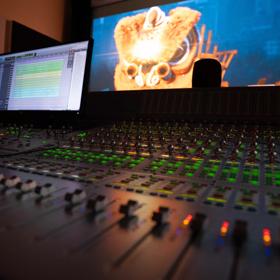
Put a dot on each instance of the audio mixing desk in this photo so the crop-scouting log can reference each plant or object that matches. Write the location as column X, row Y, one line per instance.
column 140, row 200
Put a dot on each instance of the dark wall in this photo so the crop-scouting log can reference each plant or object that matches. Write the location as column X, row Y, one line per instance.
column 80, row 19
column 24, row 38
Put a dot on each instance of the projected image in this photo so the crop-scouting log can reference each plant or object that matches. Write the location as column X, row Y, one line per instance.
column 156, row 48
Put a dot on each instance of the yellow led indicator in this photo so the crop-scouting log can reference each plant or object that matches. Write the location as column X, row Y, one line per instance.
column 180, row 157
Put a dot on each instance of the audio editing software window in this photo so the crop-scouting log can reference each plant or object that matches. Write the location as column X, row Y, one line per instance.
column 44, row 79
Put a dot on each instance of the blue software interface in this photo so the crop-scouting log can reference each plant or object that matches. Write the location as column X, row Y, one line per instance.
column 43, row 79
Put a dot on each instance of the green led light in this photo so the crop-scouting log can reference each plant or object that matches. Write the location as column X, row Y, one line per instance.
column 82, row 134
column 165, row 192
column 255, row 171
column 231, row 180
column 214, row 199
column 254, row 182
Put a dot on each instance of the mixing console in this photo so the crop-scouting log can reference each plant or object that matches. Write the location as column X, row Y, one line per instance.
column 140, row 200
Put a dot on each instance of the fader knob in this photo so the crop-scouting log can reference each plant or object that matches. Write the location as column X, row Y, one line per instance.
column 102, row 143
column 180, row 140
column 12, row 181
column 2, row 178
column 239, row 235
column 125, row 146
column 75, row 197
column 162, row 139
column 129, row 208
column 138, row 146
column 161, row 216
column 28, row 186
column 44, row 190
column 197, row 223
column 113, row 145
column 151, row 148
column 170, row 150
column 97, row 204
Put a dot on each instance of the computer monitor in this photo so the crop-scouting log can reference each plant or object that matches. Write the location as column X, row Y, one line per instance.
column 48, row 79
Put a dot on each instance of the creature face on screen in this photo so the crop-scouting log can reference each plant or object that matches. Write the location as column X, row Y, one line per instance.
column 156, row 50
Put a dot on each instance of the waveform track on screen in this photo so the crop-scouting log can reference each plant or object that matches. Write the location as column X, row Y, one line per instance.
column 39, row 79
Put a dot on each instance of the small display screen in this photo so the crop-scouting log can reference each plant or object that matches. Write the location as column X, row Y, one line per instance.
column 43, row 79
column 156, row 47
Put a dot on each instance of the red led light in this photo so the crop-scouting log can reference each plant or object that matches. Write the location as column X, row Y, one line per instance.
column 266, row 237
column 187, row 220
column 224, row 228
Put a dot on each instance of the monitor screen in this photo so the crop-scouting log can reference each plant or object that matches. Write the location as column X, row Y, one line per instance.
column 156, row 47
column 43, row 79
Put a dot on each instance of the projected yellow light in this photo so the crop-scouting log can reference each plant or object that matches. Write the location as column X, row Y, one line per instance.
column 147, row 49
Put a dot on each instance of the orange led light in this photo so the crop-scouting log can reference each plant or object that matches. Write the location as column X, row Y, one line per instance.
column 267, row 237
column 224, row 228
column 180, row 157
column 145, row 154
column 165, row 156
column 187, row 220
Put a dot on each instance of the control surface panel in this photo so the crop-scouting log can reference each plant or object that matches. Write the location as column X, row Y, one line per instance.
column 137, row 200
